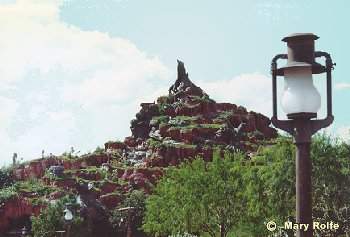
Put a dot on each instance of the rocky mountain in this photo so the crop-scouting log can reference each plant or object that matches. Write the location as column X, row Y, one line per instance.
column 184, row 124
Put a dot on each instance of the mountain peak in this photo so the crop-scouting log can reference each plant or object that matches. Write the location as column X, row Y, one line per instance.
column 181, row 70
column 183, row 85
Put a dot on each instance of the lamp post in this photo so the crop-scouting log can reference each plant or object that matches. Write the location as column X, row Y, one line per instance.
column 24, row 231
column 68, row 217
column 301, row 102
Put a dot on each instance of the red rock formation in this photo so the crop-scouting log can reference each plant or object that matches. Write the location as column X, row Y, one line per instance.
column 88, row 175
column 65, row 184
column 56, row 195
column 115, row 145
column 37, row 168
column 108, row 187
column 14, row 209
column 195, row 109
column 187, row 135
column 163, row 128
column 130, row 141
column 111, row 200
column 226, row 107
column 170, row 111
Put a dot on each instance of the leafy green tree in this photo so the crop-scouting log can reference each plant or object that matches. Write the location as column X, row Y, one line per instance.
column 198, row 198
column 270, row 183
column 270, row 186
column 331, row 183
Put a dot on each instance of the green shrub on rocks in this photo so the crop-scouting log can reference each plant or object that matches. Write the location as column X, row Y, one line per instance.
column 8, row 193
column 31, row 187
column 153, row 143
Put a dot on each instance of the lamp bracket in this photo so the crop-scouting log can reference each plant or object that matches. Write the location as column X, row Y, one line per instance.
column 302, row 127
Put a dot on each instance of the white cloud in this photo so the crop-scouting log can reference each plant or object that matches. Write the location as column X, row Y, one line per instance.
column 250, row 90
column 8, row 108
column 344, row 133
column 63, row 86
column 341, row 86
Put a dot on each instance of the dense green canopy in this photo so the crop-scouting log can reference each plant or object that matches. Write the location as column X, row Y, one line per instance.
column 198, row 198
column 237, row 195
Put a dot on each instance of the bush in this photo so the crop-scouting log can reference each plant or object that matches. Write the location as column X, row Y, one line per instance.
column 8, row 193
column 154, row 143
column 35, row 186
column 6, row 178
column 99, row 151
column 159, row 120
column 163, row 100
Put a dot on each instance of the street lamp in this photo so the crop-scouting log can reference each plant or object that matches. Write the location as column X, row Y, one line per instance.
column 24, row 231
column 301, row 102
column 68, row 217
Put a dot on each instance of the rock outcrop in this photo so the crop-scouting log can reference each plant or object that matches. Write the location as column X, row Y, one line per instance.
column 16, row 208
column 187, row 123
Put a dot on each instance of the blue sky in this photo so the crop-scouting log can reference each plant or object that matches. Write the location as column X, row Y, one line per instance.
column 73, row 72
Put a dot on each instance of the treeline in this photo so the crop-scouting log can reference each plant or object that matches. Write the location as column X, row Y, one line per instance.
column 237, row 195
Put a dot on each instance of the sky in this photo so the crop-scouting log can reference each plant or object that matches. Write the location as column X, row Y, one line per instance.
column 73, row 72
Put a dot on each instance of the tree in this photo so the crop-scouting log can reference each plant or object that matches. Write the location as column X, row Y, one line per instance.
column 331, row 182
column 120, row 218
column 6, row 178
column 198, row 198
column 270, row 183
column 270, row 186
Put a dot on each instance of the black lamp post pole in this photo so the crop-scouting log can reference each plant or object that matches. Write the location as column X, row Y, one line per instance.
column 68, row 229
column 303, row 186
column 302, row 125
column 303, row 165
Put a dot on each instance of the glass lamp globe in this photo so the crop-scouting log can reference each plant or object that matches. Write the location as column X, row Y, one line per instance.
column 90, row 185
column 300, row 95
column 68, row 216
column 24, row 230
